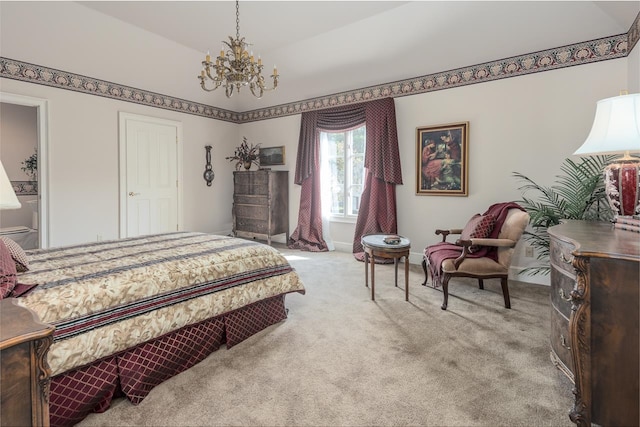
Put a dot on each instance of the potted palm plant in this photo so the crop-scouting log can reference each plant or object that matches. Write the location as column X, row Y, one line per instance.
column 577, row 194
column 245, row 155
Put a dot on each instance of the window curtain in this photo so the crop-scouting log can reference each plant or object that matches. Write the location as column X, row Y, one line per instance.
column 377, row 213
column 382, row 165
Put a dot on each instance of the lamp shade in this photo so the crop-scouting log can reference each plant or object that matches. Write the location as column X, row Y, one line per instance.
column 8, row 199
column 616, row 127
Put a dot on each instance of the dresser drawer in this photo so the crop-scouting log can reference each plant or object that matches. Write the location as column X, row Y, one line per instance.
column 245, row 199
column 561, row 286
column 252, row 225
column 560, row 255
column 251, row 183
column 252, row 212
column 560, row 339
column 261, row 190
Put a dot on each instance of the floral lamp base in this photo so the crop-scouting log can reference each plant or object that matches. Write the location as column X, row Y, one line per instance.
column 622, row 186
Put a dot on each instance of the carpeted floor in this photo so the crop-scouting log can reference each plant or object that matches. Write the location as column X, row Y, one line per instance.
column 341, row 359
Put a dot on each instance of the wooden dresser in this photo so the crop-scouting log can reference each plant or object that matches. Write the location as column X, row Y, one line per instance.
column 261, row 204
column 595, row 276
column 24, row 372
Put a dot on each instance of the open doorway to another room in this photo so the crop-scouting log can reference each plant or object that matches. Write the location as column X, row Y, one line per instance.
column 20, row 145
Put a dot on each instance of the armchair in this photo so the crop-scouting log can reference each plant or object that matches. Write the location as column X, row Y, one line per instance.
column 479, row 253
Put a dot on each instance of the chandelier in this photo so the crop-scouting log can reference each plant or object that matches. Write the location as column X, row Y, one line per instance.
column 235, row 68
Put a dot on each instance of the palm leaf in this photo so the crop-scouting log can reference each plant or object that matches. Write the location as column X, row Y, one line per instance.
column 578, row 193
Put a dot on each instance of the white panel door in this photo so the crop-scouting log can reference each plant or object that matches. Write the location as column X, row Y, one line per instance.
column 151, row 178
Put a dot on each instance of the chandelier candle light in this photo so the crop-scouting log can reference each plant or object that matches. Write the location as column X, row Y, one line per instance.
column 616, row 129
column 236, row 67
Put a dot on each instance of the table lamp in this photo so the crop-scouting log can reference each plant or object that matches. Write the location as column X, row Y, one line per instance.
column 8, row 199
column 616, row 129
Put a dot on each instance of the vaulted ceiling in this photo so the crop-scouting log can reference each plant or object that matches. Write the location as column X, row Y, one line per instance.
column 326, row 47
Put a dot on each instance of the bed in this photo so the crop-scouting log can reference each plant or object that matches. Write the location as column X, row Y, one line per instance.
column 131, row 313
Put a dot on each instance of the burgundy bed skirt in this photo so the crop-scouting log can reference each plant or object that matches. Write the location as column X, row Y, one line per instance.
column 135, row 372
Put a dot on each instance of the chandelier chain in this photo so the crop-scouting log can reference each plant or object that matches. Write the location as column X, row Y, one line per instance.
column 235, row 67
column 238, row 20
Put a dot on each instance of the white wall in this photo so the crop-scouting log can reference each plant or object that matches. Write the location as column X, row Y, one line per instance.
column 18, row 140
column 276, row 132
column 634, row 69
column 83, row 164
column 71, row 37
column 526, row 124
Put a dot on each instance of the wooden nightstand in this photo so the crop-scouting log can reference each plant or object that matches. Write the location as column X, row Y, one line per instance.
column 24, row 371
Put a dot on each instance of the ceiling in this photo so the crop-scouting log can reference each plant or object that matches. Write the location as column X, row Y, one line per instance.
column 326, row 47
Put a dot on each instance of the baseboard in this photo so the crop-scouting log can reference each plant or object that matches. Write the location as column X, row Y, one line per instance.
column 516, row 273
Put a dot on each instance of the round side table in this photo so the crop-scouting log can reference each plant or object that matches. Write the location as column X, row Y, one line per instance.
column 375, row 247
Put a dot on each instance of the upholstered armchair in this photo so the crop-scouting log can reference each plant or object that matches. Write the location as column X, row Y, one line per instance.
column 483, row 251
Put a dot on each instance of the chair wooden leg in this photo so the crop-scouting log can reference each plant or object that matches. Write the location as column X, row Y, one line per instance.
column 426, row 272
column 505, row 292
column 480, row 283
column 445, row 291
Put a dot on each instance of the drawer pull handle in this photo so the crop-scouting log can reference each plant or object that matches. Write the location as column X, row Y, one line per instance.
column 565, row 259
column 564, row 296
column 563, row 342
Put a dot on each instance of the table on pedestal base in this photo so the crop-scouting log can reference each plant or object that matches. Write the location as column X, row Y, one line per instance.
column 375, row 247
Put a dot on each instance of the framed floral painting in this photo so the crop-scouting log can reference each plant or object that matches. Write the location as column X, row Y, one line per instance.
column 442, row 154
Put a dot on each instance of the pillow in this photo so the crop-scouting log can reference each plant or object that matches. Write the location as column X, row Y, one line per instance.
column 478, row 227
column 17, row 253
column 22, row 289
column 7, row 271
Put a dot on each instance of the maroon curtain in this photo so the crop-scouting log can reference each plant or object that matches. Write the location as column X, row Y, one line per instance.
column 382, row 161
column 377, row 213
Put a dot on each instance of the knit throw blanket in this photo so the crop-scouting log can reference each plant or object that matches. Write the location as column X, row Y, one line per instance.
column 437, row 253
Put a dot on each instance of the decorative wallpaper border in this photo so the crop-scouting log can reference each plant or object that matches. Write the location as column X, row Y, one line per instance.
column 25, row 188
column 24, row 71
column 566, row 56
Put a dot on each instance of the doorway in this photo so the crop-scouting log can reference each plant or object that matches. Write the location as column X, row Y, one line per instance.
column 34, row 191
column 150, row 175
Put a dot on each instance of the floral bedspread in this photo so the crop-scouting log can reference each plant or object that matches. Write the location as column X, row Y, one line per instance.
column 106, row 297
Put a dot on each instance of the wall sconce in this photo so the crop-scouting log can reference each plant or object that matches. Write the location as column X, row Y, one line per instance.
column 208, row 171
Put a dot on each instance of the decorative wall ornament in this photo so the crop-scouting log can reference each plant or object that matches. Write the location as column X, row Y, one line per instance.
column 208, row 174
column 602, row 49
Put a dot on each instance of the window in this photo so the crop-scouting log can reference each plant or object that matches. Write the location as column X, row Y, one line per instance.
column 342, row 170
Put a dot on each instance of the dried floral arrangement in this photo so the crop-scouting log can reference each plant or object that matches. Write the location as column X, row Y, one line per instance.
column 245, row 155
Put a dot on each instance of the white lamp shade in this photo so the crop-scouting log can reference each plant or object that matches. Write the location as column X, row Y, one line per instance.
column 616, row 127
column 8, row 199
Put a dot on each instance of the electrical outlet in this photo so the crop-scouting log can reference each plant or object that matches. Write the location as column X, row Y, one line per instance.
column 528, row 251
column 99, row 237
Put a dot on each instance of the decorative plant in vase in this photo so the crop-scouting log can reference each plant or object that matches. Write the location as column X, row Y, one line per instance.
column 245, row 155
column 30, row 166
column 578, row 194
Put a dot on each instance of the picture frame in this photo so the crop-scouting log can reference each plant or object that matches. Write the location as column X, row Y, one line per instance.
column 442, row 166
column 271, row 156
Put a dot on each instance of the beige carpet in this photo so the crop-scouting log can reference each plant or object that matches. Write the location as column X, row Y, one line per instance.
column 341, row 359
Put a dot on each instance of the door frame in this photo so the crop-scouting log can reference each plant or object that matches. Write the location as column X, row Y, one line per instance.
column 42, row 119
column 123, row 117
